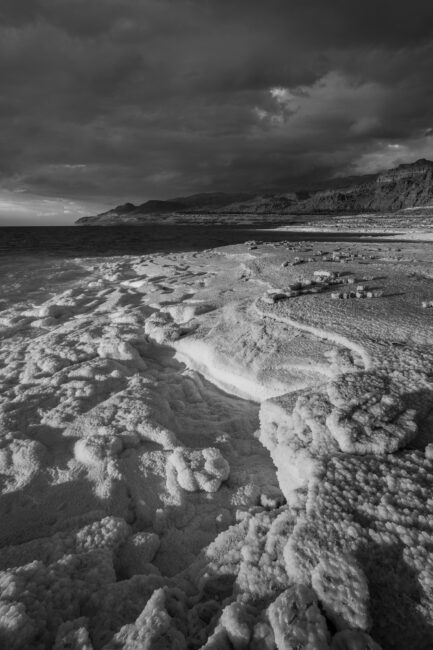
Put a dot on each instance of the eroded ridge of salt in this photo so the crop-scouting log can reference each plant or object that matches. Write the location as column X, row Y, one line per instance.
column 206, row 450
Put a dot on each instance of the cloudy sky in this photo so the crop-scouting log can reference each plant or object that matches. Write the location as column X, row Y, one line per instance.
column 104, row 101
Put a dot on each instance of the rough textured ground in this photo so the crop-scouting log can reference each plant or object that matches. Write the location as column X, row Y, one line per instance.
column 209, row 450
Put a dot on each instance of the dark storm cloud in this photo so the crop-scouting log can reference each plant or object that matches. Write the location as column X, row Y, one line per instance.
column 119, row 99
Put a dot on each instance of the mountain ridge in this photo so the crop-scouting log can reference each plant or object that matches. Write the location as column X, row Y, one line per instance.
column 409, row 185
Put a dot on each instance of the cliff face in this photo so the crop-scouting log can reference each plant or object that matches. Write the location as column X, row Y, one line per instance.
column 406, row 186
column 261, row 205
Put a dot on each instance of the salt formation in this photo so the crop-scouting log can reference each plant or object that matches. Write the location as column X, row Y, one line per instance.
column 200, row 470
column 137, row 553
column 94, row 450
column 341, row 587
column 296, row 620
column 152, row 629
column 185, row 464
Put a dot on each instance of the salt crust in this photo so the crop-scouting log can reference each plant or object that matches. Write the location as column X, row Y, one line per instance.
column 141, row 510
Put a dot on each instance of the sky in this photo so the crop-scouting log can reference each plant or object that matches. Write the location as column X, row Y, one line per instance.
column 108, row 101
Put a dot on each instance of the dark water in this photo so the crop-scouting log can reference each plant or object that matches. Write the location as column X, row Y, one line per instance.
column 90, row 241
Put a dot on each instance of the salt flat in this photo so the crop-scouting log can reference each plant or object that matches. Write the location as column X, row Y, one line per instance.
column 223, row 449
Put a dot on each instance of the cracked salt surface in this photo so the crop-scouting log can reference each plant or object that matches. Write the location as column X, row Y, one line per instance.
column 186, row 465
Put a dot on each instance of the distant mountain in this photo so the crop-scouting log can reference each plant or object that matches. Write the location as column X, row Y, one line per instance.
column 184, row 204
column 263, row 204
column 406, row 186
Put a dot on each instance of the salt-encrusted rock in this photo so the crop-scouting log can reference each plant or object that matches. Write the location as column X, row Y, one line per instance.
column 353, row 640
column 262, row 637
column 342, row 360
column 141, row 412
column 309, row 418
column 377, row 508
column 120, row 350
column 154, row 629
column 218, row 640
column 294, row 430
column 359, row 412
column 236, row 629
column 262, row 573
column 368, row 415
column 342, row 589
column 271, row 497
column 117, row 604
column 297, row 622
column 354, row 389
column 73, row 635
column 361, row 432
column 110, row 533
column 44, row 322
column 275, row 297
column 138, row 552
column 324, row 274
column 52, row 311
column 16, row 628
column 184, row 312
column 22, row 458
column 238, row 623
column 96, row 449
column 202, row 469
column 53, row 594
column 223, row 557
column 161, row 327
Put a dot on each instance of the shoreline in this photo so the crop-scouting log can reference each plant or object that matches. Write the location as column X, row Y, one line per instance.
column 409, row 234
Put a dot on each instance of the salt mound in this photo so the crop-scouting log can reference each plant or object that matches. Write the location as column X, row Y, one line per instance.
column 153, row 629
column 203, row 469
column 94, row 450
column 296, row 620
column 369, row 415
column 161, row 327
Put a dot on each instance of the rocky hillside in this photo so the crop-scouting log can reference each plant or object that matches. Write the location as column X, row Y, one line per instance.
column 406, row 186
column 143, row 213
